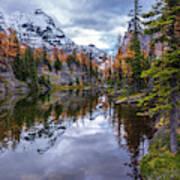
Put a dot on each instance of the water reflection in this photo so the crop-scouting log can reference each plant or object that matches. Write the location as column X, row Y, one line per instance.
column 137, row 133
column 92, row 138
column 42, row 117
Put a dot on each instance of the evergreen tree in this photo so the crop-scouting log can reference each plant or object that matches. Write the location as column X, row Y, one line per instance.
column 32, row 70
column 56, row 57
column 90, row 66
column 46, row 61
column 57, row 64
column 164, row 25
column 136, row 62
column 18, row 64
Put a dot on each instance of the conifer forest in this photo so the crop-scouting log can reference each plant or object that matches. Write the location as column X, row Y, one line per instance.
column 90, row 90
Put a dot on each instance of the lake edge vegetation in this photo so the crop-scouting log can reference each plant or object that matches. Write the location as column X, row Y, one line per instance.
column 148, row 77
column 155, row 78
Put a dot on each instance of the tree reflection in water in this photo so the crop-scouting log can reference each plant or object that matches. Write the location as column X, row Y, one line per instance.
column 136, row 132
column 40, row 117
column 44, row 119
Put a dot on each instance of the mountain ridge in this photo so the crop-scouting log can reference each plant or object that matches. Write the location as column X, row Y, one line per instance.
column 39, row 30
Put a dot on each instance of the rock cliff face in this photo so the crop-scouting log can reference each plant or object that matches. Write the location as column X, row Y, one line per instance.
column 144, row 41
column 9, row 84
column 39, row 30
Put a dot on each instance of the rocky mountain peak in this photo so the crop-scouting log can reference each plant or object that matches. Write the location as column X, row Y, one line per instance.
column 39, row 30
column 39, row 11
column 49, row 20
column 2, row 22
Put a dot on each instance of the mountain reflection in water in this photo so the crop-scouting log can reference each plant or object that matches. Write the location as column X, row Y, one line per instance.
column 71, row 135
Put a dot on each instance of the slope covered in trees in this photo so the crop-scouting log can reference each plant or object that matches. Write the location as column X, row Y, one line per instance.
column 148, row 61
column 145, row 70
column 41, row 68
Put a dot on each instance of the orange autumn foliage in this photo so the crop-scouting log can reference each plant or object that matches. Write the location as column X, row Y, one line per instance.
column 55, row 54
column 122, row 63
column 9, row 45
column 95, row 66
column 60, row 54
column 38, row 53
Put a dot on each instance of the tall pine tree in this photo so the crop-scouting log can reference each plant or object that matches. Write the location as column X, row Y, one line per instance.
column 163, row 23
column 136, row 62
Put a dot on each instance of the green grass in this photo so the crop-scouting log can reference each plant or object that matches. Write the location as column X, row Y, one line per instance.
column 69, row 87
column 131, row 97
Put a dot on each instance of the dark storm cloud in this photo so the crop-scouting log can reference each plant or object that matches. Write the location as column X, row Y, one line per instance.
column 113, row 6
column 103, row 14
column 10, row 6
column 101, row 23
column 77, row 17
column 92, row 23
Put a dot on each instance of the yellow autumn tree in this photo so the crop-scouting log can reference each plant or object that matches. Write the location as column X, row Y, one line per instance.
column 122, row 62
column 9, row 46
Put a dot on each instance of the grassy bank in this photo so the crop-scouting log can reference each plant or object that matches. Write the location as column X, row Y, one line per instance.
column 160, row 163
column 56, row 87
column 120, row 96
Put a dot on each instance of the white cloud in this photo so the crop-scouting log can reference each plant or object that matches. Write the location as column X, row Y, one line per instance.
column 85, row 21
column 89, row 36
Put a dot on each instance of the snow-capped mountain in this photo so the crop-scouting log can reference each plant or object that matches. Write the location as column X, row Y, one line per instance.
column 39, row 30
column 3, row 26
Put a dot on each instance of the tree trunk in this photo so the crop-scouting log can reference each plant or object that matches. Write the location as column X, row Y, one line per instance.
column 173, row 133
column 128, row 88
column 173, row 123
column 173, row 84
column 135, row 86
column 150, row 84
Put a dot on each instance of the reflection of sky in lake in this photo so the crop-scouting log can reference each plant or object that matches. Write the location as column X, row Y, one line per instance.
column 86, row 149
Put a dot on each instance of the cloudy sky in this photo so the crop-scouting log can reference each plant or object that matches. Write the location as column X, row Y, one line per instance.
column 85, row 21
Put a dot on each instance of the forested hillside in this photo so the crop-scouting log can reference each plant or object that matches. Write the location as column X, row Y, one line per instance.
column 141, row 80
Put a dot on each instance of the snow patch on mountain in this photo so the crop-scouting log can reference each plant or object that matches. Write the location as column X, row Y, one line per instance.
column 39, row 30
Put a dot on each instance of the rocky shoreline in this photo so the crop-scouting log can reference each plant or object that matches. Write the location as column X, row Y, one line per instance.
column 9, row 84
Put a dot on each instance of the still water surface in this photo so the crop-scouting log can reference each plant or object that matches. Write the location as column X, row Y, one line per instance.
column 77, row 135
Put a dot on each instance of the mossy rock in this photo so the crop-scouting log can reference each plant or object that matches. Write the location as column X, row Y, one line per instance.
column 131, row 99
column 160, row 163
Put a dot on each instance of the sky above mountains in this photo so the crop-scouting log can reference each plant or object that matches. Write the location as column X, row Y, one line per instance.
column 85, row 21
